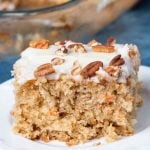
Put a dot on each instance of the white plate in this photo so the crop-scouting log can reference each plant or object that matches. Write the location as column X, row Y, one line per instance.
column 139, row 141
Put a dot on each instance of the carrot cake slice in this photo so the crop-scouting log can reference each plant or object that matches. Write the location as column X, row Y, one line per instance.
column 75, row 92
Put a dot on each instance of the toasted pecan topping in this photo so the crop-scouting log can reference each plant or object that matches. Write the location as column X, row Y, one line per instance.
column 113, row 71
column 110, row 41
column 132, row 53
column 117, row 61
column 58, row 43
column 103, row 48
column 93, row 43
column 90, row 69
column 62, row 51
column 57, row 61
column 43, row 70
column 77, row 47
column 41, row 44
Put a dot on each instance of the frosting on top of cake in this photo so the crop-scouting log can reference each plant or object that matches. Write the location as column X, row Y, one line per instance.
column 75, row 57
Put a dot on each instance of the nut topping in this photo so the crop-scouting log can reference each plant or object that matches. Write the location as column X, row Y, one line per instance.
column 60, row 43
column 98, row 47
column 43, row 70
column 57, row 61
column 110, row 41
column 103, row 48
column 132, row 53
column 113, row 71
column 41, row 44
column 90, row 69
column 93, row 43
column 117, row 61
column 62, row 51
column 79, row 48
column 76, row 68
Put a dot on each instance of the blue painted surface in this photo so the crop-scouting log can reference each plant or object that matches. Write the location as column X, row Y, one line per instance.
column 5, row 68
column 132, row 27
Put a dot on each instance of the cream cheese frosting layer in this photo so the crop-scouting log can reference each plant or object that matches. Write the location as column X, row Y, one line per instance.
column 32, row 58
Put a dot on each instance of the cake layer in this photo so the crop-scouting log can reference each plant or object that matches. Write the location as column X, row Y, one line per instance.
column 75, row 112
column 76, row 56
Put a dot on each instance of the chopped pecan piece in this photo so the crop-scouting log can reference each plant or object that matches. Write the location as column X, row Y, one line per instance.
column 132, row 53
column 43, row 70
column 62, row 51
column 58, row 43
column 76, row 68
column 79, row 48
column 113, row 71
column 103, row 48
column 41, row 44
column 90, row 69
column 110, row 41
column 117, row 61
column 98, row 47
column 57, row 61
column 93, row 43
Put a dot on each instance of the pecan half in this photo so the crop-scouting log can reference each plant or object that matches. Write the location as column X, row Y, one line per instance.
column 117, row 61
column 57, row 61
column 132, row 53
column 41, row 44
column 90, row 69
column 62, row 51
column 110, row 41
column 78, row 48
column 103, row 48
column 43, row 70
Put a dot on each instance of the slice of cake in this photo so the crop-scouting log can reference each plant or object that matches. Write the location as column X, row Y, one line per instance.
column 76, row 92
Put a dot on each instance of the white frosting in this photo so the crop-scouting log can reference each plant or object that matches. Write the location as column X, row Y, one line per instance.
column 32, row 58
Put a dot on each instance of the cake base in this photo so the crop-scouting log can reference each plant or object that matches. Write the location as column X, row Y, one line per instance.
column 75, row 111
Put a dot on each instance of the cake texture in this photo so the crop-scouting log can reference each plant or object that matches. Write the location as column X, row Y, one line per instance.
column 74, row 92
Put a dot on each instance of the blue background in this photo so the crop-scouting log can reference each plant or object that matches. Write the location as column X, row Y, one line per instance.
column 132, row 27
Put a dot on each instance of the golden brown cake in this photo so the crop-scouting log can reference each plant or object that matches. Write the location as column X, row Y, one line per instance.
column 75, row 92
